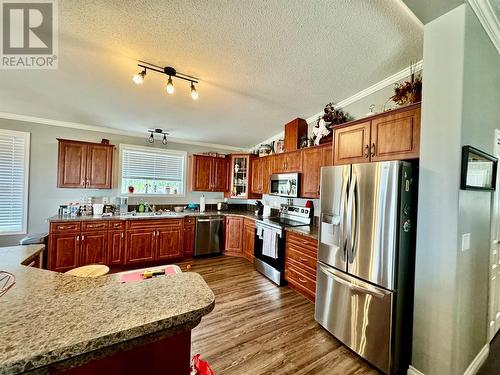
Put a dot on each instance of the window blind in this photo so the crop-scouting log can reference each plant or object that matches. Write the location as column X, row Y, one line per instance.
column 14, row 151
column 153, row 166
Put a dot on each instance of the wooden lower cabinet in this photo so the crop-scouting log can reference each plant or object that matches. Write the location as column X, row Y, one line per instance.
column 93, row 248
column 169, row 240
column 64, row 251
column 116, row 247
column 234, row 236
column 140, row 245
column 248, row 239
column 189, row 232
column 300, row 263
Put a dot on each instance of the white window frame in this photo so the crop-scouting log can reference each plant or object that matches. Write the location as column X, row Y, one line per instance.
column 27, row 146
column 151, row 149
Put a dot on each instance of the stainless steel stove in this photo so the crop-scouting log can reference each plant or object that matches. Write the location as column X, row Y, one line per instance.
column 269, row 249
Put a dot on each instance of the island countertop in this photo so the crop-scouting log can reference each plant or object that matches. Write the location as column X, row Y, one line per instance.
column 48, row 317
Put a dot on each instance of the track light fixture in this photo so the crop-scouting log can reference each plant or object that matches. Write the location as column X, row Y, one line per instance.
column 152, row 132
column 139, row 77
column 170, row 72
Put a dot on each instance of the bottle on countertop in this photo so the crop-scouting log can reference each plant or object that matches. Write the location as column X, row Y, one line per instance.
column 202, row 203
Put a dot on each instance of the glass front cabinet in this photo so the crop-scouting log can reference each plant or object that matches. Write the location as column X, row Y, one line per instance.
column 241, row 177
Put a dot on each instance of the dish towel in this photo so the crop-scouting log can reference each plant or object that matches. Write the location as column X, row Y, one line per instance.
column 270, row 244
column 259, row 232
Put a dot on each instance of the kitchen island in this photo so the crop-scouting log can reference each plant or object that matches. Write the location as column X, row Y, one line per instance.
column 56, row 323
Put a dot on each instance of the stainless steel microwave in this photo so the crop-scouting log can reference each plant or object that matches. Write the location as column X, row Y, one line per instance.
column 285, row 185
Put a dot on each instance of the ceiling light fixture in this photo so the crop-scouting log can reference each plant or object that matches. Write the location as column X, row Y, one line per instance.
column 194, row 93
column 170, row 72
column 139, row 77
column 152, row 132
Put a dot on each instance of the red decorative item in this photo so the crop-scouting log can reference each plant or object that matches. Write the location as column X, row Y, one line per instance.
column 201, row 367
column 130, row 189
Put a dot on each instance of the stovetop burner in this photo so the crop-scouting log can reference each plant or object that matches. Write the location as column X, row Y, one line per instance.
column 286, row 222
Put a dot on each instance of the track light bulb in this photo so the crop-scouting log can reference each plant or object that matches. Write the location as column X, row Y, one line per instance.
column 151, row 138
column 164, row 141
column 194, row 93
column 139, row 77
column 170, row 86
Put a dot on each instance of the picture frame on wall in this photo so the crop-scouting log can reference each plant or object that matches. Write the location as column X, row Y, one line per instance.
column 479, row 170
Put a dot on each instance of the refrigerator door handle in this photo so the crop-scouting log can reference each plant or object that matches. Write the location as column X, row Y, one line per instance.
column 353, row 287
column 343, row 219
column 354, row 223
column 349, row 218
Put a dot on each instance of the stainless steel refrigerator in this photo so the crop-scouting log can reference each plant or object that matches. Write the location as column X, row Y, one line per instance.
column 362, row 292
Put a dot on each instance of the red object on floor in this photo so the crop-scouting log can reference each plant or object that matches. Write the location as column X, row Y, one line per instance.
column 202, row 367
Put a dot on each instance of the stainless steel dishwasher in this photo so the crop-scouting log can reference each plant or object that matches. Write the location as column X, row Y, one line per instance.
column 209, row 235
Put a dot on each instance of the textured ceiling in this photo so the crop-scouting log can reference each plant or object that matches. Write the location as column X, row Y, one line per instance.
column 261, row 63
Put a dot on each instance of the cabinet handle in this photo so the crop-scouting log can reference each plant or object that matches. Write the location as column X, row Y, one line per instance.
column 366, row 153
column 302, row 280
column 122, row 234
column 83, row 238
column 373, row 149
column 303, row 260
column 77, row 239
column 83, row 182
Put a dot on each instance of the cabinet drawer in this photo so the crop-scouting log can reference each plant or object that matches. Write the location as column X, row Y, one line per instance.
column 88, row 226
column 303, row 242
column 301, row 259
column 189, row 221
column 152, row 223
column 300, row 280
column 65, row 227
column 116, row 225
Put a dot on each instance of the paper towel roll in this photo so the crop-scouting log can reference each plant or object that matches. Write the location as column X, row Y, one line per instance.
column 202, row 203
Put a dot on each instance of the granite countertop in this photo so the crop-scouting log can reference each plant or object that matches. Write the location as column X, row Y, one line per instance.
column 307, row 230
column 48, row 317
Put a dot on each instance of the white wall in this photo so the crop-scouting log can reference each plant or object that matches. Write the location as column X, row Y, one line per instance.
column 45, row 197
column 460, row 106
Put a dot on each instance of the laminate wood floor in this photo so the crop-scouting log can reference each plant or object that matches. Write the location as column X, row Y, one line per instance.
column 258, row 328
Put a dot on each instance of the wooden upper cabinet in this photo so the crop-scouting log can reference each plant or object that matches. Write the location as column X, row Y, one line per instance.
column 241, row 177
column 234, row 235
column 257, row 178
column 327, row 155
column 84, row 165
column 72, row 164
column 352, row 144
column 220, row 174
column 209, row 173
column 294, row 131
column 396, row 136
column 287, row 162
column 312, row 160
column 99, row 166
column 393, row 135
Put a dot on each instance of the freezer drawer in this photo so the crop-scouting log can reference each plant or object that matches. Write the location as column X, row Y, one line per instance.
column 356, row 313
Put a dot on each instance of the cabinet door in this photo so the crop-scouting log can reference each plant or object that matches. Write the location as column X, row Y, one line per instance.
column 312, row 160
column 327, row 156
column 201, row 173
column 63, row 252
column 116, row 247
column 93, row 248
column 257, row 176
column 396, row 136
column 352, row 144
column 220, row 174
column 140, row 245
column 99, row 166
column 248, row 239
column 234, row 233
column 169, row 242
column 293, row 161
column 71, row 165
column 278, row 163
column 188, row 241
column 266, row 174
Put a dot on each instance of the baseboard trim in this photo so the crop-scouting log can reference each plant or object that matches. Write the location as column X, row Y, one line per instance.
column 476, row 364
column 413, row 371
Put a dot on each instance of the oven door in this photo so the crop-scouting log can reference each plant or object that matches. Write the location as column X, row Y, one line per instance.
column 285, row 185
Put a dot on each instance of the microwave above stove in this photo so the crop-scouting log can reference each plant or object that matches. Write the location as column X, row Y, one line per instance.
column 285, row 185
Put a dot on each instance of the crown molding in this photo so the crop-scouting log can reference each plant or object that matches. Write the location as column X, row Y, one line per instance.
column 372, row 89
column 491, row 24
column 103, row 129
